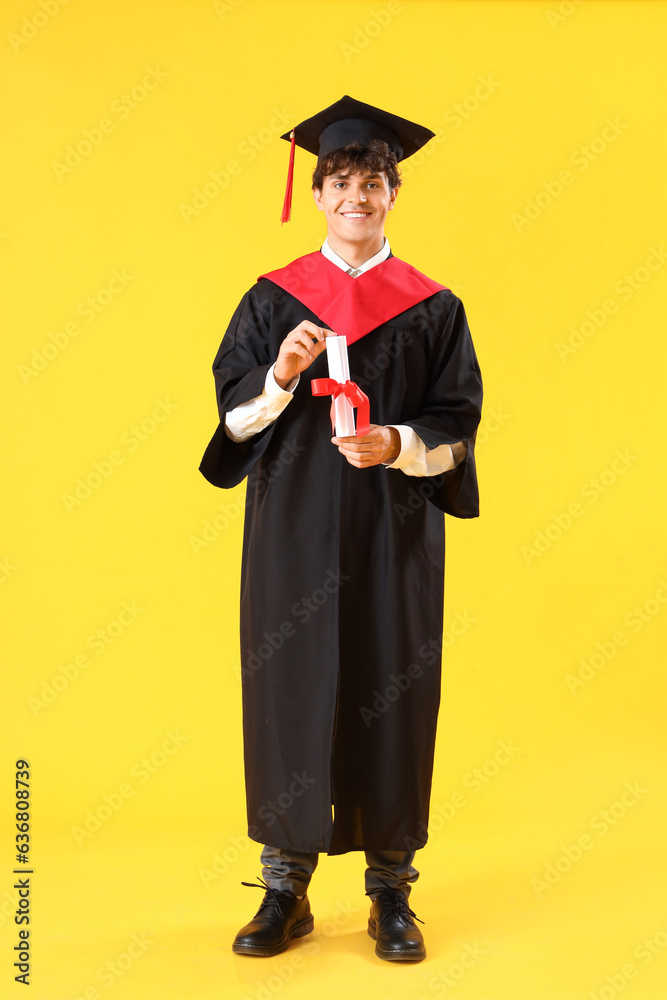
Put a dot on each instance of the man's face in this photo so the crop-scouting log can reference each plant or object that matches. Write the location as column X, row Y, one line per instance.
column 355, row 205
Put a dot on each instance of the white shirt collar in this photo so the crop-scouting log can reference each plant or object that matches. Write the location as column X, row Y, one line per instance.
column 366, row 266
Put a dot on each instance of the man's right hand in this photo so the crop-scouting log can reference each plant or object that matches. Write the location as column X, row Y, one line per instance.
column 298, row 351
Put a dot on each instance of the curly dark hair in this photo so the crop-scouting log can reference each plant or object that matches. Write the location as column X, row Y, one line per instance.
column 374, row 158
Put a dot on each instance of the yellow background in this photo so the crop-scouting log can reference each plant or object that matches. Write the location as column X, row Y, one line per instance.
column 514, row 90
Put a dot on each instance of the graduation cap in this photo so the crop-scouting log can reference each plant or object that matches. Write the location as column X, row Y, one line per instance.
column 349, row 121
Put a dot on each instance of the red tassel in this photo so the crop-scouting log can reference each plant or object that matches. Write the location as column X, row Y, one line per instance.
column 287, row 203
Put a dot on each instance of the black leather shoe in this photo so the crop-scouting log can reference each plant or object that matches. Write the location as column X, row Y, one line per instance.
column 281, row 917
column 392, row 927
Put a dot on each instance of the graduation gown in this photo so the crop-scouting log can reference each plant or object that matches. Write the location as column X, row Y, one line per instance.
column 342, row 571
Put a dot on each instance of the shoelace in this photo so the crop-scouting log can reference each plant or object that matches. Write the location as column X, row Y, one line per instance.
column 395, row 899
column 271, row 896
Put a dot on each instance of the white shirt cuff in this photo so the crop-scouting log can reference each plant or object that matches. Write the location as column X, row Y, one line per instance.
column 415, row 459
column 272, row 387
column 253, row 416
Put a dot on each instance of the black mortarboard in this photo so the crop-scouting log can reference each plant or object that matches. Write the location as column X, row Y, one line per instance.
column 349, row 121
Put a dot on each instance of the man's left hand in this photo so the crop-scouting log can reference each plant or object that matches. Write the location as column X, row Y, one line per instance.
column 381, row 444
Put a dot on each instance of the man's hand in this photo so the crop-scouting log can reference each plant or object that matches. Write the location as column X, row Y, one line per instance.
column 298, row 351
column 459, row 451
column 381, row 444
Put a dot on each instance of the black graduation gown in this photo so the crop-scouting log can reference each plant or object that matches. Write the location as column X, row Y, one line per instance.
column 342, row 576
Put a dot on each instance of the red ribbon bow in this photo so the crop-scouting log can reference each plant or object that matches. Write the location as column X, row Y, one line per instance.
column 352, row 392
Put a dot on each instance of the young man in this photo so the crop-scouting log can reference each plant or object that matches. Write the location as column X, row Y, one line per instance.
column 343, row 552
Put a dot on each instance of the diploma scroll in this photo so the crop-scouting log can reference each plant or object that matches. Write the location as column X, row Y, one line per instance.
column 339, row 369
column 346, row 395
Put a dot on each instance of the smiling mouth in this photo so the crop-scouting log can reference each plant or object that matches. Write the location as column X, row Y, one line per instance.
column 355, row 215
